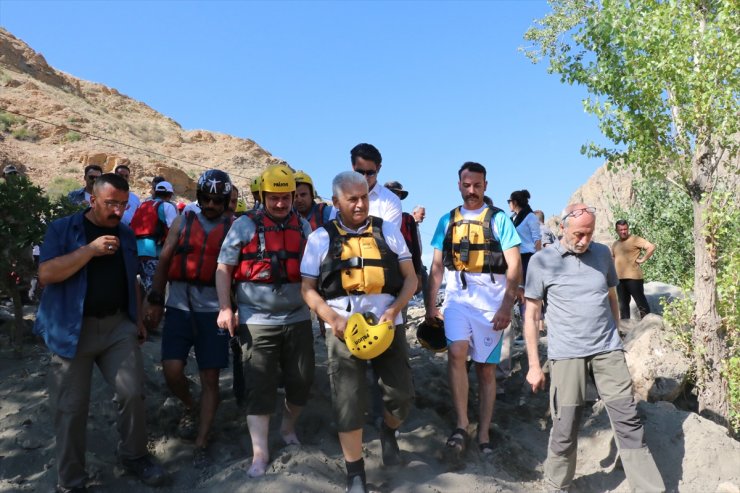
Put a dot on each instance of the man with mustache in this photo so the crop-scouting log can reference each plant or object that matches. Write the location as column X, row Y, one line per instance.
column 336, row 283
column 262, row 253
column 188, row 262
column 87, row 317
column 579, row 279
column 479, row 248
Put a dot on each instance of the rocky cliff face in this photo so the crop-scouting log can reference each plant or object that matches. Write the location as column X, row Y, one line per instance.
column 604, row 190
column 77, row 110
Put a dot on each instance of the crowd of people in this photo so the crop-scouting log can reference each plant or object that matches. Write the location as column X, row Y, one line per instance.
column 216, row 276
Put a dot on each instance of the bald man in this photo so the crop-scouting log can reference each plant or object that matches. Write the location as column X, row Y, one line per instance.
column 580, row 281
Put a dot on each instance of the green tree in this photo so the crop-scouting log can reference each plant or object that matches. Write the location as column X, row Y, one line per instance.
column 664, row 81
column 23, row 209
column 662, row 214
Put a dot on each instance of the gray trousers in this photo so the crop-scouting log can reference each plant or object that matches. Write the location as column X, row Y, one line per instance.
column 111, row 344
column 567, row 395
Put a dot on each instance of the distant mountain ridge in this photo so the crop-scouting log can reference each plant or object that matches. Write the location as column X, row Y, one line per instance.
column 30, row 86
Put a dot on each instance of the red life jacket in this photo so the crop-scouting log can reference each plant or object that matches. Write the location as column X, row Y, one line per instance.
column 196, row 255
column 274, row 253
column 407, row 222
column 146, row 222
column 316, row 216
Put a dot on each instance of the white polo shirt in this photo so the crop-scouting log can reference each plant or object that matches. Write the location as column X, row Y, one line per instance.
column 383, row 204
column 315, row 252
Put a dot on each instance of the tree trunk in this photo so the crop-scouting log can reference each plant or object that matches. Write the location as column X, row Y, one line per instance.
column 708, row 336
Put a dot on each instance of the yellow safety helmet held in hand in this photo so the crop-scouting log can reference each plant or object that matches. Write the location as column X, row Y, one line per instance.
column 365, row 337
column 278, row 179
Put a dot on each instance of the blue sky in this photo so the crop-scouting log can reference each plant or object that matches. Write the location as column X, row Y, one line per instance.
column 431, row 84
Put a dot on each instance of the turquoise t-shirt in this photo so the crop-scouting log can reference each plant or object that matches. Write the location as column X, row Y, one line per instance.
column 503, row 230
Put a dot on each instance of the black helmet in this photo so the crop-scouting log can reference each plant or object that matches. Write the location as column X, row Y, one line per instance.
column 432, row 336
column 214, row 182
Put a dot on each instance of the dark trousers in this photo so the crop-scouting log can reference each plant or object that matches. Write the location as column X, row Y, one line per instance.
column 632, row 288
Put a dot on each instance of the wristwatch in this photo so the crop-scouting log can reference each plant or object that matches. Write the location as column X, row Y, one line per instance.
column 155, row 298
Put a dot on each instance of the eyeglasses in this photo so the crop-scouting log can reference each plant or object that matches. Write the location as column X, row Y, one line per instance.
column 368, row 172
column 92, row 177
column 113, row 204
column 217, row 200
column 580, row 212
column 509, row 201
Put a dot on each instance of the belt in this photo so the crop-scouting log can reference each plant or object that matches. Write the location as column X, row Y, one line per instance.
column 103, row 313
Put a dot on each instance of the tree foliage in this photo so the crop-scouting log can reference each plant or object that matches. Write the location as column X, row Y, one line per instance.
column 664, row 82
column 25, row 212
column 662, row 214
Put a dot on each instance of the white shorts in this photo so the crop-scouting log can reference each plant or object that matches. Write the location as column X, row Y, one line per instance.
column 463, row 323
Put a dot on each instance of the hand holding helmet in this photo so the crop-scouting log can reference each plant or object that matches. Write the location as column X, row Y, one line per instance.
column 365, row 337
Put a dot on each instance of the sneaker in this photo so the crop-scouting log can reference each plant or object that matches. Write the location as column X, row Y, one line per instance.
column 187, row 429
column 147, row 469
column 389, row 446
column 356, row 485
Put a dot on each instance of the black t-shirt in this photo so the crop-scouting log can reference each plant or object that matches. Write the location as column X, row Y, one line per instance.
column 106, row 277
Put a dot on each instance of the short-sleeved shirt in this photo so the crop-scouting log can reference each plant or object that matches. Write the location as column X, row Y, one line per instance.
column 133, row 204
column 262, row 303
column 579, row 318
column 186, row 296
column 482, row 292
column 316, row 250
column 148, row 247
column 383, row 204
column 626, row 252
column 529, row 232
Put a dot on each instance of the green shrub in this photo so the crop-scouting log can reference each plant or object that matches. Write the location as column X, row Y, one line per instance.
column 7, row 120
column 72, row 136
column 60, row 187
column 24, row 134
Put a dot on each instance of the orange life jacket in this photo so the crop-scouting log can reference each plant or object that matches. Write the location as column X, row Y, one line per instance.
column 274, row 253
column 196, row 255
column 146, row 222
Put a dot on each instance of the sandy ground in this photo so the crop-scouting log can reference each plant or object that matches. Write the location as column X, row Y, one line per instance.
column 519, row 434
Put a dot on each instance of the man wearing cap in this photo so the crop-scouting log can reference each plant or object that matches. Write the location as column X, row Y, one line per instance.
column 151, row 222
column 369, row 269
column 124, row 172
column 9, row 171
column 87, row 317
column 579, row 279
column 366, row 160
column 82, row 195
column 261, row 256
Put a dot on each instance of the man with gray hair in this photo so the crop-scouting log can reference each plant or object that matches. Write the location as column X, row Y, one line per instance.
column 579, row 279
column 359, row 263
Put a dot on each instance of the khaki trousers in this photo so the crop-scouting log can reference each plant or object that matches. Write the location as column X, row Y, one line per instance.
column 111, row 344
column 567, row 395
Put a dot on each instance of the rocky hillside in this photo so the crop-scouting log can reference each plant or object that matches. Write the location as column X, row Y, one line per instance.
column 604, row 190
column 54, row 156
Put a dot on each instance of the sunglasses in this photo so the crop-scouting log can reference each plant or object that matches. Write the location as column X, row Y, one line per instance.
column 216, row 200
column 367, row 172
column 580, row 212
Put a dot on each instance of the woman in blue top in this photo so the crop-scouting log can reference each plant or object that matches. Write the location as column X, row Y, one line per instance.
column 527, row 225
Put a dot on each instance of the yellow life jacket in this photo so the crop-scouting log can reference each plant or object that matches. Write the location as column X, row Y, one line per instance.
column 470, row 246
column 358, row 263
